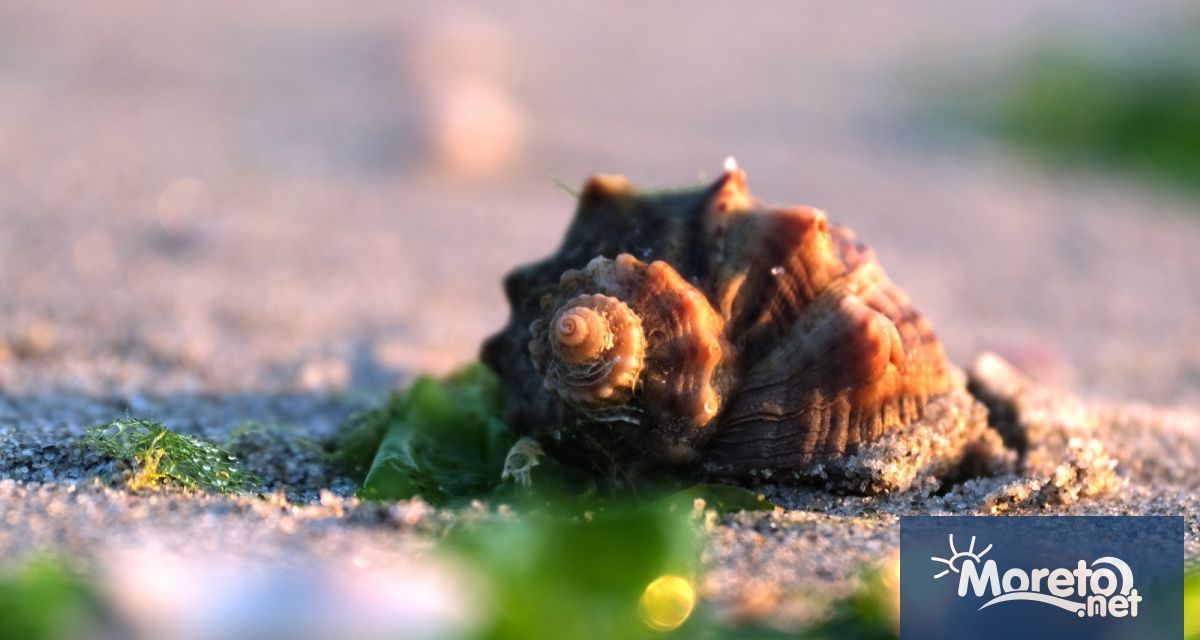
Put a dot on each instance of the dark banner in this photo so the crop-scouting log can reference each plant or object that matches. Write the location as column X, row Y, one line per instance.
column 1041, row 577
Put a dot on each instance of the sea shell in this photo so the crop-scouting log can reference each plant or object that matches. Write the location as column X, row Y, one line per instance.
column 702, row 332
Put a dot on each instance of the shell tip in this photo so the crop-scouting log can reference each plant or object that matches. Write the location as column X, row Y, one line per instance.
column 730, row 193
column 606, row 188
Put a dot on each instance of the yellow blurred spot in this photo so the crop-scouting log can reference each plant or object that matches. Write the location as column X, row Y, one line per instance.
column 889, row 582
column 1191, row 607
column 667, row 602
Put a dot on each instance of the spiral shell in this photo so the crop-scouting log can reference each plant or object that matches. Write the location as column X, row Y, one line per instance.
column 591, row 351
column 743, row 340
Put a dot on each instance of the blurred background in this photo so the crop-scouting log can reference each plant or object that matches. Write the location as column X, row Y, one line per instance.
column 231, row 196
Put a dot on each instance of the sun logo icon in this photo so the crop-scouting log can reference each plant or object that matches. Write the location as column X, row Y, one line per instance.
column 958, row 557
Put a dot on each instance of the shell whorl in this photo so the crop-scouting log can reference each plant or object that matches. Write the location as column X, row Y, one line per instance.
column 592, row 350
column 581, row 334
column 620, row 326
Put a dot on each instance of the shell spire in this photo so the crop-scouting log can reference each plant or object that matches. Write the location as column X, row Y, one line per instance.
column 592, row 350
column 731, row 194
column 581, row 334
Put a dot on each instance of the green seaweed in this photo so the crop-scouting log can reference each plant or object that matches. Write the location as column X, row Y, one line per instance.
column 441, row 440
column 579, row 577
column 1191, row 605
column 724, row 498
column 44, row 600
column 154, row 456
column 444, row 440
column 354, row 446
column 628, row 570
column 246, row 432
column 1136, row 113
column 873, row 611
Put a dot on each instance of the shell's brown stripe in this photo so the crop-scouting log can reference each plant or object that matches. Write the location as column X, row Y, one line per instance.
column 780, row 260
column 839, row 349
column 689, row 343
column 779, row 442
column 852, row 252
column 923, row 372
